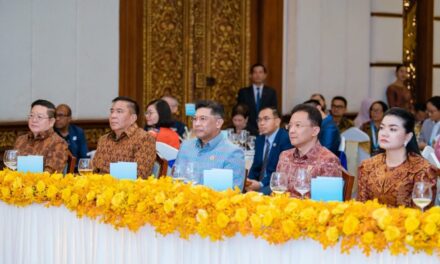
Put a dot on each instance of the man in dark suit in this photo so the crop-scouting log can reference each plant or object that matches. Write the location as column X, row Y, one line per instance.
column 272, row 141
column 257, row 96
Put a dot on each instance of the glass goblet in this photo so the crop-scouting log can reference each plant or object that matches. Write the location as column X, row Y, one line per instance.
column 422, row 194
column 10, row 159
column 278, row 182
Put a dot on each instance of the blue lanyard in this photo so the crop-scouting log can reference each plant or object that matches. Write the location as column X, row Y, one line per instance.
column 373, row 136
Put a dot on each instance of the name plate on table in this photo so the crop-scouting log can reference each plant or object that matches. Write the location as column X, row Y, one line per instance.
column 124, row 170
column 218, row 179
column 30, row 163
column 327, row 188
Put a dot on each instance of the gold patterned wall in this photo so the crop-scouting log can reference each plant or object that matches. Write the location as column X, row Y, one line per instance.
column 188, row 41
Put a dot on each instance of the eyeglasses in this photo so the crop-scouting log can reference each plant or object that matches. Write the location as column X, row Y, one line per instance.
column 265, row 119
column 338, row 106
column 37, row 117
column 296, row 126
column 61, row 115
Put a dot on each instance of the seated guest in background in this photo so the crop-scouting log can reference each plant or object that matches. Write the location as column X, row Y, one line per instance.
column 159, row 122
column 390, row 176
column 377, row 110
column 178, row 126
column 338, row 110
column 42, row 140
column 307, row 153
column 420, row 114
column 268, row 146
column 398, row 94
column 210, row 149
column 126, row 142
column 364, row 112
column 73, row 135
column 240, row 118
column 321, row 100
column 431, row 127
column 329, row 135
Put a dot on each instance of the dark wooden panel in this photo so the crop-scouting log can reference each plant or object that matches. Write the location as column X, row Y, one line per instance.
column 384, row 14
column 384, row 64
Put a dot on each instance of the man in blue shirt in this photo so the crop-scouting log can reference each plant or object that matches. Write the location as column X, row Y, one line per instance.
column 210, row 149
column 268, row 146
column 73, row 135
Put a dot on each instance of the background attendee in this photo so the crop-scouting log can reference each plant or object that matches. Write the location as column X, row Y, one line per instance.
column 431, row 127
column 307, row 153
column 390, row 176
column 268, row 146
column 42, row 140
column 240, row 119
column 338, row 110
column 420, row 115
column 321, row 99
column 73, row 135
column 364, row 112
column 178, row 126
column 257, row 96
column 377, row 110
column 329, row 135
column 126, row 142
column 210, row 149
column 159, row 121
column 398, row 94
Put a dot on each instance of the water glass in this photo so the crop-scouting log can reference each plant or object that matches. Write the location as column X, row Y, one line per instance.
column 177, row 172
column 10, row 159
column 85, row 167
column 422, row 194
column 301, row 182
column 278, row 182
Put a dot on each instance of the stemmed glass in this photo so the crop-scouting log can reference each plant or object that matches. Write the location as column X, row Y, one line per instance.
column 422, row 194
column 251, row 142
column 10, row 159
column 178, row 172
column 242, row 138
column 278, row 182
column 85, row 167
column 301, row 183
column 189, row 174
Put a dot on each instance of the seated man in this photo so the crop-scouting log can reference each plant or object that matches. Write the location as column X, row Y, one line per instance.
column 210, row 149
column 126, row 142
column 42, row 140
column 272, row 141
column 177, row 126
column 308, row 153
column 329, row 135
column 73, row 135
column 338, row 110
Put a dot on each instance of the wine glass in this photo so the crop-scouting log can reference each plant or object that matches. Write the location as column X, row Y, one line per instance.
column 251, row 142
column 301, row 183
column 189, row 174
column 422, row 194
column 10, row 159
column 178, row 172
column 278, row 182
column 242, row 138
column 85, row 167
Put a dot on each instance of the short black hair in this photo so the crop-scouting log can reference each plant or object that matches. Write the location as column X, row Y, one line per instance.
column 49, row 105
column 240, row 109
column 216, row 108
column 435, row 101
column 164, row 113
column 408, row 124
column 399, row 66
column 340, row 98
column 313, row 114
column 274, row 111
column 313, row 102
column 258, row 65
column 132, row 104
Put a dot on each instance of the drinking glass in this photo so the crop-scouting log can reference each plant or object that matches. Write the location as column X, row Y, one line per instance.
column 178, row 172
column 189, row 173
column 242, row 138
column 422, row 194
column 85, row 167
column 278, row 182
column 301, row 182
column 251, row 142
column 10, row 159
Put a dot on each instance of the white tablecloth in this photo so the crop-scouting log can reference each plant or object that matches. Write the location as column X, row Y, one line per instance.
column 36, row 234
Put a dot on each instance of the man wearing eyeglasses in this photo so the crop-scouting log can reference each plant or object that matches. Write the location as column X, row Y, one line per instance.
column 338, row 109
column 42, row 140
column 126, row 142
column 308, row 153
column 272, row 141
column 210, row 149
column 73, row 135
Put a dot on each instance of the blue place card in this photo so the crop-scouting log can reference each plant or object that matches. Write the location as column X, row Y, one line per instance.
column 30, row 163
column 327, row 188
column 218, row 179
column 190, row 109
column 124, row 170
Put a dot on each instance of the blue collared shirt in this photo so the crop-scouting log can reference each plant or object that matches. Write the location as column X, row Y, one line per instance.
column 76, row 141
column 218, row 153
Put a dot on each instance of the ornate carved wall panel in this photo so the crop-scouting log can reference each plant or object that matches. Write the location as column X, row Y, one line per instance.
column 196, row 49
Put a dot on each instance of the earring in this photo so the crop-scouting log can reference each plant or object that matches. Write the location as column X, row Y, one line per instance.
column 405, row 143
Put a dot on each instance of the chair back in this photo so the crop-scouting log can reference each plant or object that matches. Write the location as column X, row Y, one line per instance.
column 348, row 185
column 160, row 166
column 166, row 151
column 71, row 163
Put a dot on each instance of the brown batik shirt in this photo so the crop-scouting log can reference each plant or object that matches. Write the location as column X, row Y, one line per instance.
column 134, row 145
column 47, row 144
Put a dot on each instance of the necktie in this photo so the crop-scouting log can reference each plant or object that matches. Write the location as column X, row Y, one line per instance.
column 265, row 160
column 257, row 100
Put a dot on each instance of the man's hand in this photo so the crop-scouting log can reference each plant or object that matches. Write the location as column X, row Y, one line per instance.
column 252, row 185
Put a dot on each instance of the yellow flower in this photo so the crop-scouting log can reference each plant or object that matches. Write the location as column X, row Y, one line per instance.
column 288, row 226
column 41, row 186
column 380, row 213
column 28, row 192
column 340, row 208
column 168, row 206
column 237, row 198
column 100, row 200
column 201, row 215
column 409, row 239
column 257, row 198
column 411, row 224
column 180, row 198
column 308, row 214
column 118, row 199
column 433, row 218
column 291, row 207
column 160, row 197
column 255, row 221
column 384, row 221
column 351, row 224
column 222, row 220
column 51, row 191
column 74, row 199
column 323, row 216
column 6, row 193
column 332, row 234
column 430, row 228
column 65, row 194
column 17, row 183
column 140, row 207
column 368, row 238
column 90, row 195
column 391, row 233
column 241, row 215
column 267, row 218
column 222, row 204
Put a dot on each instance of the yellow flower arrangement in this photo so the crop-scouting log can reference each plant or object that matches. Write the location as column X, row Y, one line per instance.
column 171, row 206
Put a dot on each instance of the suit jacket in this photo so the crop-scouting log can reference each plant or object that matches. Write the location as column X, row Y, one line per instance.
column 246, row 96
column 329, row 135
column 280, row 144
